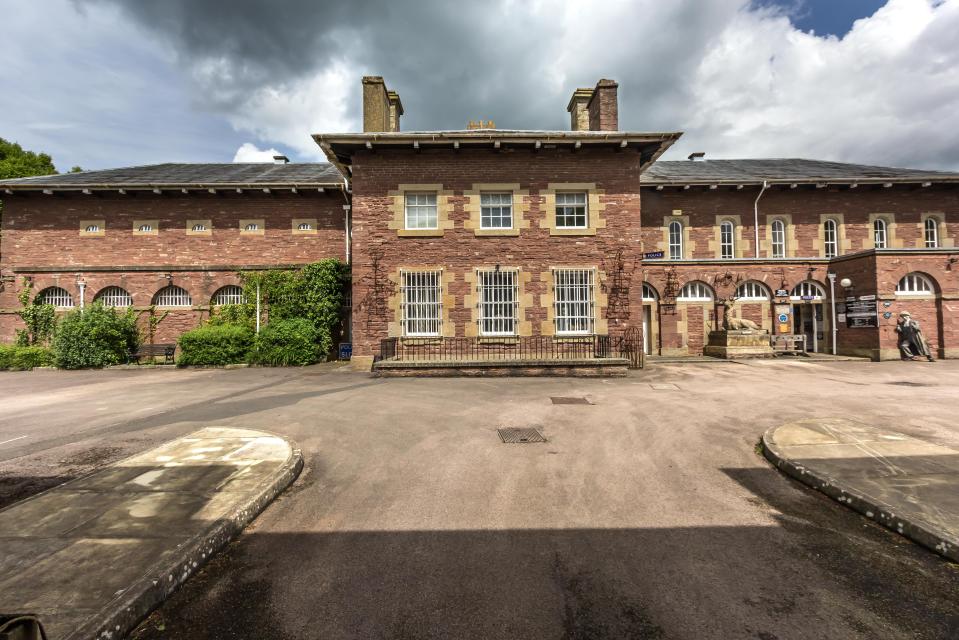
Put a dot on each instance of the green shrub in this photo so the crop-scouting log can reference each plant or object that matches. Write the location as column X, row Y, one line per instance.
column 243, row 315
column 95, row 337
column 215, row 344
column 20, row 358
column 286, row 343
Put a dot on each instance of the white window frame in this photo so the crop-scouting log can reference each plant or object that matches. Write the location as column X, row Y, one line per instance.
column 830, row 236
column 57, row 297
column 880, row 235
column 498, row 301
column 114, row 297
column 198, row 228
column 695, row 291
column 496, row 207
column 92, row 228
column 568, row 203
column 304, row 226
column 172, row 296
column 422, row 302
column 229, row 294
column 421, row 211
column 251, row 226
column 727, row 241
column 930, row 233
column 808, row 288
column 676, row 248
column 915, row 284
column 574, row 301
column 649, row 293
column 752, row 291
column 145, row 228
column 778, row 238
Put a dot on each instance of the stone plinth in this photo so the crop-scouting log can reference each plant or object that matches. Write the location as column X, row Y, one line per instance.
column 742, row 343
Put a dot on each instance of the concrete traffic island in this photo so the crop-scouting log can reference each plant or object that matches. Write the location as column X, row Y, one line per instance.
column 905, row 484
column 94, row 556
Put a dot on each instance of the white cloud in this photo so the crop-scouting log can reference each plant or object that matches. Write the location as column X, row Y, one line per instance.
column 249, row 152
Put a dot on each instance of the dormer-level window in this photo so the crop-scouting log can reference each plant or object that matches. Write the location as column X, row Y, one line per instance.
column 92, row 228
column 145, row 228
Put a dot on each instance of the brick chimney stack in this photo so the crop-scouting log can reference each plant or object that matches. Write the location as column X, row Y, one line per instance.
column 381, row 108
column 578, row 110
column 603, row 108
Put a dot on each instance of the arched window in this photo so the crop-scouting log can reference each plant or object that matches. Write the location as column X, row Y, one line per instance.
column 779, row 239
column 649, row 294
column 695, row 292
column 57, row 296
column 92, row 228
column 304, row 226
column 145, row 228
column 915, row 284
column 808, row 290
column 198, row 228
column 752, row 290
column 172, row 296
column 675, row 240
column 114, row 297
column 251, row 226
column 726, row 246
column 830, row 238
column 931, row 233
column 879, row 233
column 230, row 294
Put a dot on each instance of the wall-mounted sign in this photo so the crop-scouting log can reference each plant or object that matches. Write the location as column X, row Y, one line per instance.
column 808, row 297
column 783, row 317
column 782, row 293
column 840, row 317
column 862, row 314
column 346, row 350
column 887, row 314
column 872, row 297
column 652, row 255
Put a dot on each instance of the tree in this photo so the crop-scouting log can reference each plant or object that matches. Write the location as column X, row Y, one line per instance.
column 17, row 163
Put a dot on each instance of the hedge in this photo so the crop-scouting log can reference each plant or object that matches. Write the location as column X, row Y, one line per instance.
column 17, row 358
column 94, row 337
column 215, row 344
column 286, row 343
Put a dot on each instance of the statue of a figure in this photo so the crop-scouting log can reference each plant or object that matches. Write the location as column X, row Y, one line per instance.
column 912, row 344
column 736, row 324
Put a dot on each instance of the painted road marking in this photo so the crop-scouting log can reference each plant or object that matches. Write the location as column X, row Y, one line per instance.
column 13, row 439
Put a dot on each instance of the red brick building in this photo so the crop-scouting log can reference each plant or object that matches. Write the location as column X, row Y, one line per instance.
column 484, row 240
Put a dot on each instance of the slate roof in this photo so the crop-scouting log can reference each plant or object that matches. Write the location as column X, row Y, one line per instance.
column 183, row 175
column 783, row 170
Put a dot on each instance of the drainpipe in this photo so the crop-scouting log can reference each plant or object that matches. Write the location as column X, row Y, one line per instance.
column 258, row 306
column 756, row 218
column 346, row 218
column 83, row 286
column 832, row 296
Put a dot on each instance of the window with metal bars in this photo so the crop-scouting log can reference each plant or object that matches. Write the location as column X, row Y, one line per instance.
column 422, row 302
column 57, row 296
column 879, row 233
column 421, row 211
column 573, row 301
column 830, row 238
column 675, row 240
column 571, row 211
column 914, row 284
column 931, row 228
column 498, row 298
column 496, row 210
column 230, row 294
column 779, row 239
column 726, row 248
column 172, row 296
column 114, row 297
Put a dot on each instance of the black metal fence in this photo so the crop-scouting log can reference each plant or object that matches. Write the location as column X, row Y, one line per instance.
column 529, row 348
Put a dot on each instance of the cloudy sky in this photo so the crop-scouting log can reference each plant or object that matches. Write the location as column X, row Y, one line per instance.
column 105, row 83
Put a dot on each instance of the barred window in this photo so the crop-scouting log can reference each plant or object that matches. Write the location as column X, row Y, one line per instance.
column 931, row 233
column 422, row 303
column 726, row 249
column 304, row 226
column 573, row 300
column 808, row 289
column 675, row 240
column 914, row 284
column 251, row 226
column 145, row 228
column 172, row 296
column 779, row 239
column 57, row 296
column 497, row 302
column 695, row 292
column 879, row 233
column 114, row 297
column 197, row 228
column 649, row 294
column 230, row 294
column 752, row 290
column 92, row 228
column 571, row 210
column 421, row 211
column 830, row 238
column 496, row 210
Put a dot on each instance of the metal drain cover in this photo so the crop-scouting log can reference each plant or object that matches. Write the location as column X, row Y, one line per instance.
column 520, row 436
column 569, row 400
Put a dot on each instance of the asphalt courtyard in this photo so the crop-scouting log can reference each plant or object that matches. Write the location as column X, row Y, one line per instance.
column 647, row 514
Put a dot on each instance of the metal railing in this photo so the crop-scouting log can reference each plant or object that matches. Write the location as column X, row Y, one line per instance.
column 519, row 348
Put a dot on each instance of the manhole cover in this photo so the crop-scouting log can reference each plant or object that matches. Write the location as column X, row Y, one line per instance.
column 520, row 436
column 570, row 400
column 664, row 386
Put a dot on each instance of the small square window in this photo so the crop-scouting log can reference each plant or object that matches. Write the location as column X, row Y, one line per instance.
column 421, row 211
column 571, row 211
column 496, row 210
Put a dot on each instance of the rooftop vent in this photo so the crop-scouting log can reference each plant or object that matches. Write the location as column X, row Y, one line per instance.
column 698, row 155
column 482, row 124
column 281, row 160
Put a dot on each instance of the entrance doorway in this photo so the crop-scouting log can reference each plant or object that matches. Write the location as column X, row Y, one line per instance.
column 807, row 311
column 647, row 327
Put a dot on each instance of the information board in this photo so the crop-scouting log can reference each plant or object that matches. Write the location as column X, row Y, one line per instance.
column 862, row 314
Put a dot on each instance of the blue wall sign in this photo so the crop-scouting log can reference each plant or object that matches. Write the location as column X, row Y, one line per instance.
column 652, row 255
column 346, row 350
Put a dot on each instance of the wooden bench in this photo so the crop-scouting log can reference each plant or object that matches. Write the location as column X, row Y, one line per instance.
column 151, row 351
column 794, row 343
